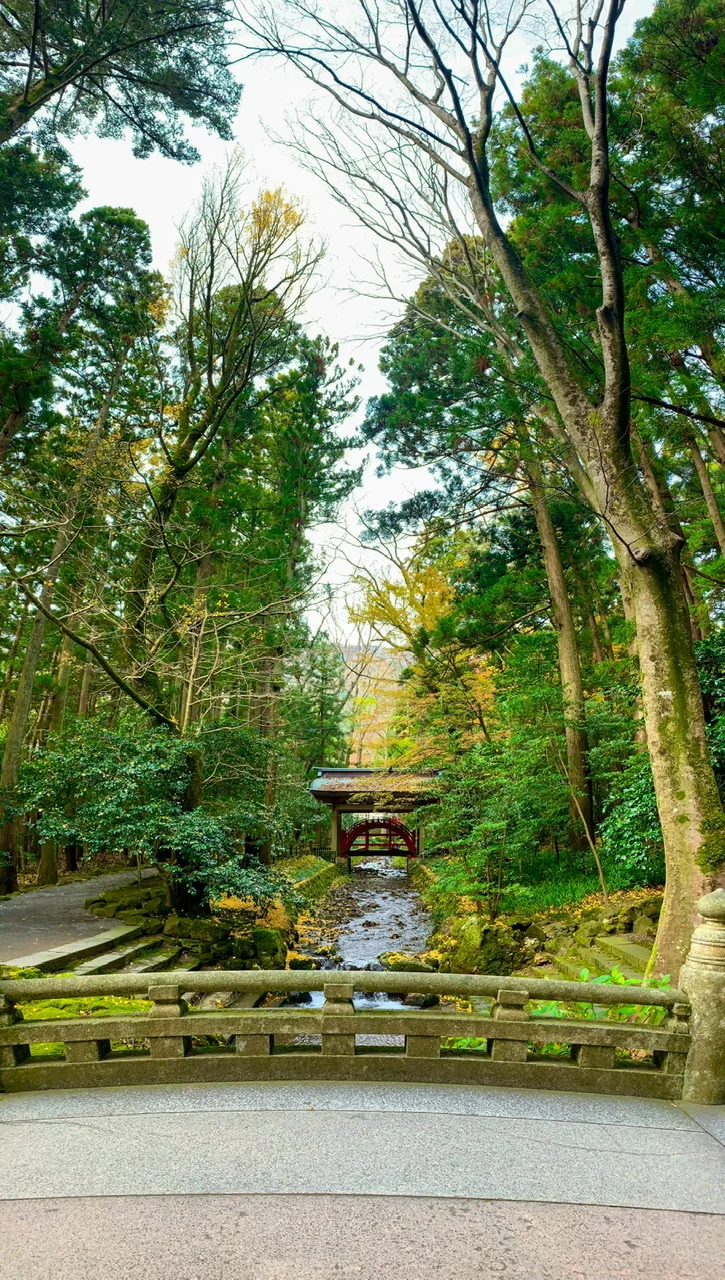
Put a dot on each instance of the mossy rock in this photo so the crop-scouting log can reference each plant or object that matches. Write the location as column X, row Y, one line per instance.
column 243, row 947
column 535, row 933
column 404, row 962
column 516, row 922
column 271, row 948
column 297, row 961
column 471, row 944
column 132, row 917
column 198, row 928
column 651, row 906
column 153, row 924
column 157, row 904
column 644, row 925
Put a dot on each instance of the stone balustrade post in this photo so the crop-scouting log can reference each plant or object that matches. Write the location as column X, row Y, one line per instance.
column 338, row 1001
column 168, row 1005
column 510, row 1006
column 11, row 1055
column 703, row 979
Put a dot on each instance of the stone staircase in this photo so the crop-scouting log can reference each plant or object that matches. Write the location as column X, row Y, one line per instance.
column 600, row 955
column 123, row 949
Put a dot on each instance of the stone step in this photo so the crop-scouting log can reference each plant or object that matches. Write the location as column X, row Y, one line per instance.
column 599, row 963
column 568, row 966
column 111, row 960
column 625, row 952
column 151, row 964
column 58, row 958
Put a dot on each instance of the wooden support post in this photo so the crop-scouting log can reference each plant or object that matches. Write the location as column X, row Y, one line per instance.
column 336, row 838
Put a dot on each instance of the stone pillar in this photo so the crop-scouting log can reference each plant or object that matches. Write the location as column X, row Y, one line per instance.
column 338, row 1002
column 703, row 979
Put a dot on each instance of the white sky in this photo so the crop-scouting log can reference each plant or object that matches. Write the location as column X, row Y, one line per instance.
column 161, row 191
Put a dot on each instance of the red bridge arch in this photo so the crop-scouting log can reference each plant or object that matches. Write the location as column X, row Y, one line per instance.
column 375, row 836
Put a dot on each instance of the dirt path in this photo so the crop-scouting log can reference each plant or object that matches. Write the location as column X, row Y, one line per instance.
column 49, row 917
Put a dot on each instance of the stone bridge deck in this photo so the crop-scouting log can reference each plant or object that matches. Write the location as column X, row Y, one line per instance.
column 320, row 1181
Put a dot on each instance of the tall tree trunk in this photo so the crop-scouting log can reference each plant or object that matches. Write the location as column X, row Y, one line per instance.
column 10, row 662
column 661, row 494
column 85, row 691
column 48, row 864
column 17, row 728
column 708, row 493
column 60, row 693
column 572, row 688
column 648, row 551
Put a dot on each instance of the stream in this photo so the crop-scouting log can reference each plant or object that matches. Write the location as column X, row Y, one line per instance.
column 375, row 909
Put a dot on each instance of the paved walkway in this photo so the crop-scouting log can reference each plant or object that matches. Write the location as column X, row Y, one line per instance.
column 320, row 1181
column 48, row 917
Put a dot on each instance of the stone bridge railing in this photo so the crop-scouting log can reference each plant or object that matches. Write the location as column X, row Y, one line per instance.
column 684, row 1055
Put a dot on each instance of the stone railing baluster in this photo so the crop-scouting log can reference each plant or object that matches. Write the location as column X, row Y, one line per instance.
column 86, row 1050
column 509, row 1007
column 679, row 1024
column 423, row 1046
column 168, row 1004
column 703, row 979
column 594, row 1055
column 252, row 1046
column 11, row 1055
column 338, row 1002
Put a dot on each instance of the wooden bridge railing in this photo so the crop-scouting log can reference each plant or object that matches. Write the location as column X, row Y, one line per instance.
column 173, row 1044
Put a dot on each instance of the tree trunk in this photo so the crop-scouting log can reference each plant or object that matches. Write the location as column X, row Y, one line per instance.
column 708, row 493
column 23, row 699
column 60, row 693
column 12, row 754
column 661, row 494
column 85, row 692
column 10, row 663
column 688, row 802
column 572, row 688
column 48, row 864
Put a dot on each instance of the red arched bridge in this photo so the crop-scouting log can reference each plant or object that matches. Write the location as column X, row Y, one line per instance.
column 378, row 836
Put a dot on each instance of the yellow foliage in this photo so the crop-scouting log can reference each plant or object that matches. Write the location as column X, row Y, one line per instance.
column 274, row 216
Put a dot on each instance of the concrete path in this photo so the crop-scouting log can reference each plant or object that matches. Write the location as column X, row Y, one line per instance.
column 320, row 1181
column 48, row 917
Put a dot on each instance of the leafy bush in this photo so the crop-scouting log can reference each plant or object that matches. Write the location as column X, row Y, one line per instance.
column 631, row 833
column 124, row 790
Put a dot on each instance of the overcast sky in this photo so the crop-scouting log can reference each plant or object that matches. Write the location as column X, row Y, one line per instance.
column 161, row 191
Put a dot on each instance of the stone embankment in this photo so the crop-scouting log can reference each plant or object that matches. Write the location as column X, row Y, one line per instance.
column 235, row 935
column 597, row 937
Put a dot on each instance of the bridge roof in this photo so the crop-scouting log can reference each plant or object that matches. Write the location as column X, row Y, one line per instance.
column 365, row 789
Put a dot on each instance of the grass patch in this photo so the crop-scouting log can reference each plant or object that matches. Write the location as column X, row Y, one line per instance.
column 300, row 869
column 83, row 1007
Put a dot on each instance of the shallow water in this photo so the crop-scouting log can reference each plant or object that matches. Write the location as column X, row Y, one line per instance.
column 375, row 909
